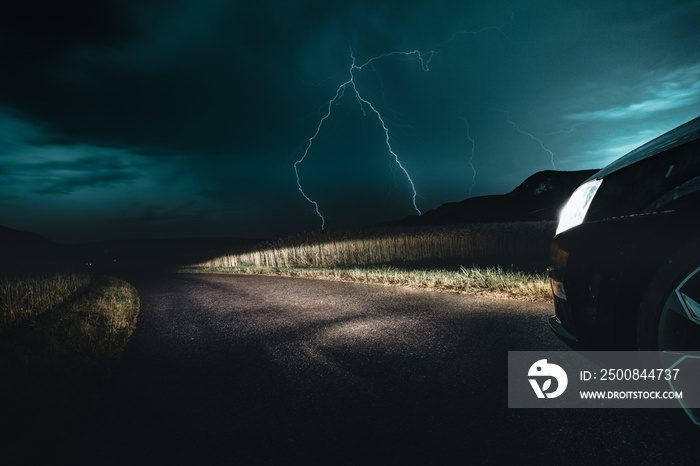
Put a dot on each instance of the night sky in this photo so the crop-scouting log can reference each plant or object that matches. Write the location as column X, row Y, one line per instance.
column 144, row 119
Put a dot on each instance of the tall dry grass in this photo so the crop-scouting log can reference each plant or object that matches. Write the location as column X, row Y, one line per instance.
column 504, row 259
column 26, row 295
column 505, row 244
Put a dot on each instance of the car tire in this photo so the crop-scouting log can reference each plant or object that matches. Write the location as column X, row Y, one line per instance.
column 669, row 316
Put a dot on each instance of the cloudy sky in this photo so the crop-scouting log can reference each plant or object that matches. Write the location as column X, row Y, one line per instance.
column 142, row 119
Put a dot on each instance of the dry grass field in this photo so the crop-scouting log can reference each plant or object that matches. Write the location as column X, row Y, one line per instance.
column 26, row 295
column 501, row 259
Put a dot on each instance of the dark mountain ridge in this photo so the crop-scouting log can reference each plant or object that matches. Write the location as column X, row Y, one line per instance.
column 17, row 237
column 539, row 197
column 16, row 245
column 25, row 249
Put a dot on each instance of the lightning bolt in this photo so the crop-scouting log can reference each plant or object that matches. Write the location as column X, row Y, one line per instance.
column 474, row 33
column 471, row 157
column 533, row 137
column 565, row 131
column 367, row 107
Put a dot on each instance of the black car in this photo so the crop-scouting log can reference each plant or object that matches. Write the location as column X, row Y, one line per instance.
column 625, row 261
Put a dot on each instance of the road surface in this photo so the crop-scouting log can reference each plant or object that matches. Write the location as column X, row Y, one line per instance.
column 228, row 369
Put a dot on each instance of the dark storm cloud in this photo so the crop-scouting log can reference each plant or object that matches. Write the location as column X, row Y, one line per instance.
column 125, row 109
column 90, row 163
column 53, row 170
column 112, row 72
column 86, row 172
column 224, row 77
column 35, row 31
column 217, row 76
column 68, row 184
column 36, row 37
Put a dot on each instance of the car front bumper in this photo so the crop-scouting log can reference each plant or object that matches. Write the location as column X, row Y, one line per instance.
column 599, row 271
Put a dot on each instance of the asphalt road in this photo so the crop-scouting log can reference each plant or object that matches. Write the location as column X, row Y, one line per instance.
column 226, row 369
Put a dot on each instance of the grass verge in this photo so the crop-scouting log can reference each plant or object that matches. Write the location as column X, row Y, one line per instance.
column 54, row 367
column 26, row 295
column 490, row 281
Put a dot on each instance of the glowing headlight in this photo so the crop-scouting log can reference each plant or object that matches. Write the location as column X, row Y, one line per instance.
column 575, row 209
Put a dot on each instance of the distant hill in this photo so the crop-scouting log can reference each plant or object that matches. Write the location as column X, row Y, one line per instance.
column 539, row 197
column 21, row 248
column 154, row 253
column 16, row 237
column 16, row 245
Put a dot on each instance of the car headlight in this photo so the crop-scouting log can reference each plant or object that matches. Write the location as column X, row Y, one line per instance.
column 575, row 209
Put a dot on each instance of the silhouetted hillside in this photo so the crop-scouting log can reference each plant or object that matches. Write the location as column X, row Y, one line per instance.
column 539, row 197
column 20, row 249
column 19, row 246
column 146, row 254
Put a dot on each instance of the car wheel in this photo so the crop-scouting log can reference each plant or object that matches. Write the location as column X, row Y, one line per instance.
column 669, row 313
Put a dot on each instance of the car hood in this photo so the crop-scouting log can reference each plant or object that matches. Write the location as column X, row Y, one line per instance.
column 680, row 135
